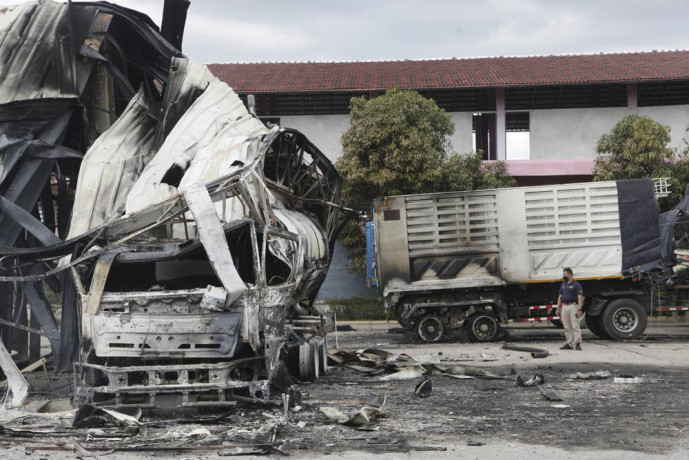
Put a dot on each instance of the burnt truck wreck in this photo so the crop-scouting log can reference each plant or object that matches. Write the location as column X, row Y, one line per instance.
column 472, row 261
column 185, row 239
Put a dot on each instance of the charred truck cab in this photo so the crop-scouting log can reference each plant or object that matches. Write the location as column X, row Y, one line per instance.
column 189, row 256
column 160, row 326
column 478, row 259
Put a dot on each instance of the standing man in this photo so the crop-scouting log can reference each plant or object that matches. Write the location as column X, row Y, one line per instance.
column 569, row 305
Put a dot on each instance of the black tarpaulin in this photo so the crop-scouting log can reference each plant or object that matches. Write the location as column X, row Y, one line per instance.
column 668, row 228
column 639, row 230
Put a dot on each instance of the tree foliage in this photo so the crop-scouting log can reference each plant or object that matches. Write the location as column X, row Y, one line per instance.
column 468, row 171
column 679, row 179
column 398, row 144
column 636, row 147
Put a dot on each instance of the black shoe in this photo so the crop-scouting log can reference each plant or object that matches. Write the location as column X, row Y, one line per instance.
column 577, row 346
column 566, row 347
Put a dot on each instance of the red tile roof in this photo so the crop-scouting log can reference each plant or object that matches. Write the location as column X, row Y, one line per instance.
column 454, row 73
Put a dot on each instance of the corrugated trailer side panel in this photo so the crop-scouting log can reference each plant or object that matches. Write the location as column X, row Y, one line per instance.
column 512, row 235
column 574, row 225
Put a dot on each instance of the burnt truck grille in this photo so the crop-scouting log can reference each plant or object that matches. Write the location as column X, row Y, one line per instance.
column 162, row 324
column 182, row 385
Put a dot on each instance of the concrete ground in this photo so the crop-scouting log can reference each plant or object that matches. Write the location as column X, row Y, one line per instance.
column 665, row 343
column 474, row 418
column 661, row 356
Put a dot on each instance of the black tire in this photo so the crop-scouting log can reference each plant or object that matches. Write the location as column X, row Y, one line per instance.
column 481, row 327
column 323, row 356
column 308, row 362
column 430, row 328
column 624, row 319
column 595, row 325
column 557, row 323
column 399, row 309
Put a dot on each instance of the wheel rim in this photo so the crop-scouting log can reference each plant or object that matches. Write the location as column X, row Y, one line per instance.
column 484, row 328
column 625, row 319
column 430, row 329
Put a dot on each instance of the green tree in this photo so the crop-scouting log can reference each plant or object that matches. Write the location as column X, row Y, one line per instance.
column 468, row 171
column 636, row 147
column 679, row 179
column 398, row 144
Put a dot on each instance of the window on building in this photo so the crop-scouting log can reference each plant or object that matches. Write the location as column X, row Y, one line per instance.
column 518, row 136
column 484, row 138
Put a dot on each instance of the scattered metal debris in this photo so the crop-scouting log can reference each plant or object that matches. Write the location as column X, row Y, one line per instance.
column 549, row 393
column 535, row 352
column 407, row 373
column 538, row 379
column 30, row 368
column 334, row 414
column 627, row 379
column 463, row 371
column 89, row 416
column 373, row 407
column 424, row 388
column 374, row 361
column 18, row 388
column 597, row 375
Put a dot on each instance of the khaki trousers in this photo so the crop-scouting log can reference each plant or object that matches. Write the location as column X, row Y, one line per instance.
column 571, row 323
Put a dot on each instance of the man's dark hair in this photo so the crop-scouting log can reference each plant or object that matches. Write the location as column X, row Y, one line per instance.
column 568, row 270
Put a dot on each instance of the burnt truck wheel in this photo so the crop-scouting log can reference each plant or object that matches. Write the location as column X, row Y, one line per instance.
column 430, row 328
column 482, row 328
column 308, row 362
column 595, row 325
column 322, row 350
column 624, row 319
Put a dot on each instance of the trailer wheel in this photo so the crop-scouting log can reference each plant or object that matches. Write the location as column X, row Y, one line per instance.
column 624, row 319
column 308, row 362
column 323, row 356
column 430, row 328
column 482, row 328
column 595, row 325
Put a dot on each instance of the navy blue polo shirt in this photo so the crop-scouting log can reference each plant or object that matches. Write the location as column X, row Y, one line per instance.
column 569, row 292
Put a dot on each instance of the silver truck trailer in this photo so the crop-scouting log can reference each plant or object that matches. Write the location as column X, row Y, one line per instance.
column 478, row 259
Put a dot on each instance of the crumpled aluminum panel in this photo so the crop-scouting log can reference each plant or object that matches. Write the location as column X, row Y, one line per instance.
column 111, row 167
column 36, row 54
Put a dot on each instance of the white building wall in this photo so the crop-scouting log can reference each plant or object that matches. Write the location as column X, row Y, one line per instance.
column 574, row 133
column 555, row 133
column 325, row 131
column 462, row 140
